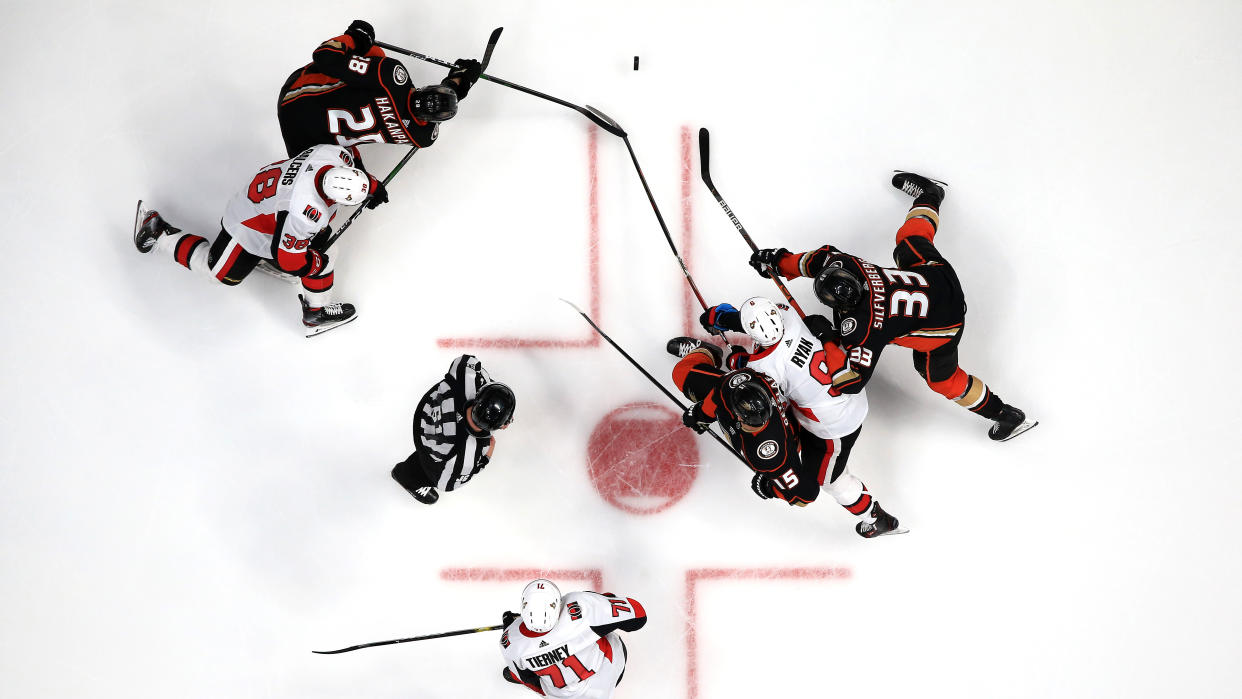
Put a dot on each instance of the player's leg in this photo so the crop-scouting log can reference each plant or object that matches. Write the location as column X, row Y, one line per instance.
column 318, row 313
column 411, row 476
column 698, row 371
column 224, row 260
column 830, row 457
column 939, row 367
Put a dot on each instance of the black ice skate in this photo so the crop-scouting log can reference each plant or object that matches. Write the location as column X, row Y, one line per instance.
column 426, row 495
column 1011, row 423
column 322, row 319
column 917, row 185
column 681, row 346
column 148, row 227
column 883, row 525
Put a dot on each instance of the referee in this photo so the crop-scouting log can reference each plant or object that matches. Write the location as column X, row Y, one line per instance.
column 453, row 428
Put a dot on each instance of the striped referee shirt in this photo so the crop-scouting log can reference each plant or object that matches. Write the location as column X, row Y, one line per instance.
column 447, row 451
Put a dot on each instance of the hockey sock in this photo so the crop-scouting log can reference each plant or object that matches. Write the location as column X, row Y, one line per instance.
column 189, row 251
column 925, row 212
column 979, row 399
column 852, row 494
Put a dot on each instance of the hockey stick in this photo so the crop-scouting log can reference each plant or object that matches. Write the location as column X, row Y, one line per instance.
column 407, row 640
column 487, row 58
column 652, row 379
column 608, row 125
column 660, row 218
column 704, row 156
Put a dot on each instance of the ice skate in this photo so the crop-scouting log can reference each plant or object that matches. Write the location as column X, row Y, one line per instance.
column 1011, row 423
column 426, row 495
column 883, row 525
column 329, row 316
column 148, row 227
column 681, row 346
column 916, row 185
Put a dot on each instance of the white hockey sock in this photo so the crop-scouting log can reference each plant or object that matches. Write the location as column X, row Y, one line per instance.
column 175, row 246
column 852, row 494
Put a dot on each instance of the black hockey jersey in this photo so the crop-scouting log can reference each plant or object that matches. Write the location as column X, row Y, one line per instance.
column 919, row 305
column 345, row 98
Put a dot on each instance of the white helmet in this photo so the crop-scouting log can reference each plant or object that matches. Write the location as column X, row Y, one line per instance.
column 541, row 605
column 345, row 185
column 762, row 320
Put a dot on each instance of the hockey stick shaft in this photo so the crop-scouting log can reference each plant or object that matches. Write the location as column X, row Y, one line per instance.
column 652, row 379
column 407, row 640
column 487, row 58
column 705, row 172
column 610, row 126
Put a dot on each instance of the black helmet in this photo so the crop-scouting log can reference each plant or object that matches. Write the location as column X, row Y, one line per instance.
column 493, row 407
column 433, row 103
column 839, row 289
column 748, row 399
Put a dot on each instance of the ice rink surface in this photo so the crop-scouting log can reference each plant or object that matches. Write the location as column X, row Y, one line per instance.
column 193, row 496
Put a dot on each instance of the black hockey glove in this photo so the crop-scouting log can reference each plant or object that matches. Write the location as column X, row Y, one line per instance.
column 821, row 328
column 463, row 76
column 737, row 357
column 765, row 261
column 762, row 485
column 363, row 35
column 696, row 419
column 379, row 194
column 508, row 618
column 721, row 317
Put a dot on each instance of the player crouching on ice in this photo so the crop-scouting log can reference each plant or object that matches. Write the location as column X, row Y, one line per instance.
column 755, row 416
column 568, row 646
column 274, row 218
column 453, row 426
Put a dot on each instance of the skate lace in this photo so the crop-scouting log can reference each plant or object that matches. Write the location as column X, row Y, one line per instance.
column 332, row 308
column 911, row 188
column 685, row 348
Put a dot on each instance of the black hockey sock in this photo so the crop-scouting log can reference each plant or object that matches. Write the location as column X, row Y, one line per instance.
column 980, row 399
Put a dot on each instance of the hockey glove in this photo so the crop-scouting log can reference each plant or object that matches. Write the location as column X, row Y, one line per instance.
column 821, row 328
column 508, row 618
column 379, row 194
column 463, row 76
column 767, row 260
column 737, row 357
column 721, row 317
column 696, row 419
column 762, row 485
column 363, row 35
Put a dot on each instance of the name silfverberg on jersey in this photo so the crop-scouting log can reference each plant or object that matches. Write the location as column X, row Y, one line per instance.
column 877, row 293
column 803, row 352
column 552, row 657
column 391, row 122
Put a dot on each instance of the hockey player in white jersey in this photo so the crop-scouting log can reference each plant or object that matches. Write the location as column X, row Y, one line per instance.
column 568, row 646
column 274, row 218
column 795, row 357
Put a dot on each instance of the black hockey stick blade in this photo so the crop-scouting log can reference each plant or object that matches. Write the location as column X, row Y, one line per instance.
column 606, row 122
column 704, row 157
column 407, row 640
column 491, row 46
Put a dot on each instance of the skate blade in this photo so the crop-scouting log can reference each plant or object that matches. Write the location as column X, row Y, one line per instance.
column 270, row 270
column 898, row 530
column 321, row 329
column 1026, row 425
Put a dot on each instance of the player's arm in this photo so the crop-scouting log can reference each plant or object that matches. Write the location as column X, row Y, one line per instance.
column 525, row 678
column 349, row 57
column 607, row 612
column 792, row 265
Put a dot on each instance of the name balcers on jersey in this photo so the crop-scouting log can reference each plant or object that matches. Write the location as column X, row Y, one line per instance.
column 921, row 309
column 799, row 364
column 582, row 655
column 346, row 98
column 284, row 207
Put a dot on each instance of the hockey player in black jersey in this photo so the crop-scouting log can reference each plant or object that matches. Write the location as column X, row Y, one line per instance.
column 353, row 93
column 919, row 305
column 453, row 430
column 753, row 414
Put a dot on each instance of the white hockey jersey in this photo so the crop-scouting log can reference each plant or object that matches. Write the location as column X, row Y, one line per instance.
column 583, row 648
column 282, row 208
column 797, row 365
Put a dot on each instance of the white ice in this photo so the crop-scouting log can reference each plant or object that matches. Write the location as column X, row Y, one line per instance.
column 193, row 496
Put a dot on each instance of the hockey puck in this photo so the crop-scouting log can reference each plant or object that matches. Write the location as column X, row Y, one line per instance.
column 636, row 63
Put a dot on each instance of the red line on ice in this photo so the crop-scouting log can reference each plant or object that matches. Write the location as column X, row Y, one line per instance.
column 689, row 326
column 592, row 575
column 592, row 340
column 694, row 575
